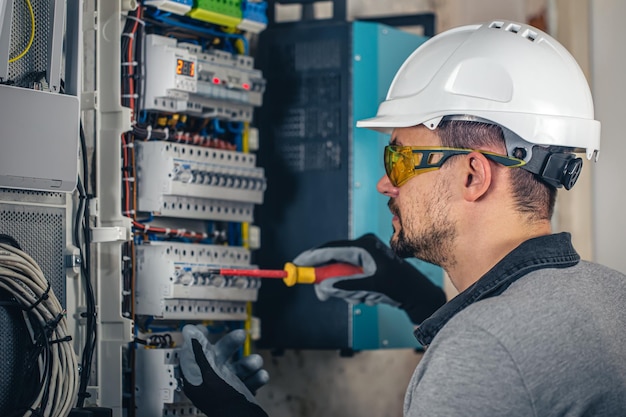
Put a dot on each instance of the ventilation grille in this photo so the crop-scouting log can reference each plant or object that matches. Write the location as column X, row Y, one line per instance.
column 40, row 231
column 35, row 61
column 24, row 196
column 527, row 33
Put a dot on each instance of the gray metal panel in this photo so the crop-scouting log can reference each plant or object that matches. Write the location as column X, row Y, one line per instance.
column 39, row 140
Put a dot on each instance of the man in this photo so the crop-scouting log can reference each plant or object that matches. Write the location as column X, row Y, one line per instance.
column 484, row 121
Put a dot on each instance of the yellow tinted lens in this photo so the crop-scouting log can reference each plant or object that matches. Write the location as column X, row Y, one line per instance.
column 399, row 163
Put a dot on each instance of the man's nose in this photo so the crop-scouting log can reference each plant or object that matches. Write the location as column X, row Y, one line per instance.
column 385, row 187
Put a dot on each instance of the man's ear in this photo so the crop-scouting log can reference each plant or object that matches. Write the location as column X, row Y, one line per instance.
column 477, row 176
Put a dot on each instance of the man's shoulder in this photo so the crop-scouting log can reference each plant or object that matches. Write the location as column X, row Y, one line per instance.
column 539, row 336
column 585, row 281
column 551, row 303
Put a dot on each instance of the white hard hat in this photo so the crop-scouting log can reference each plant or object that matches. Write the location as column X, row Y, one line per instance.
column 505, row 73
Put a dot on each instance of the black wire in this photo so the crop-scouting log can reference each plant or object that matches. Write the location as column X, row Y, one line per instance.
column 81, row 221
column 10, row 240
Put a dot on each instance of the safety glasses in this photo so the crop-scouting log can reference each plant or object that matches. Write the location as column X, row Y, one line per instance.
column 404, row 162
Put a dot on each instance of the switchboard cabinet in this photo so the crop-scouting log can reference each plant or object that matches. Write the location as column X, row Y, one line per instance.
column 323, row 76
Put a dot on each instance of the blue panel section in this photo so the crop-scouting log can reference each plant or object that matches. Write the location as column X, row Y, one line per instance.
column 378, row 52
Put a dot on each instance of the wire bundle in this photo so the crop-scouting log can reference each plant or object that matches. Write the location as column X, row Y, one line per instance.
column 52, row 351
column 81, row 223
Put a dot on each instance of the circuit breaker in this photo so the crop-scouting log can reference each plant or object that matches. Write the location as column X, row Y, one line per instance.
column 323, row 76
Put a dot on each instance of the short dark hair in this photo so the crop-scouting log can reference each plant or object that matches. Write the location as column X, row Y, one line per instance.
column 532, row 196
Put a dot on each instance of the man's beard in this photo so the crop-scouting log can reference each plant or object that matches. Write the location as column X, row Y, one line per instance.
column 432, row 243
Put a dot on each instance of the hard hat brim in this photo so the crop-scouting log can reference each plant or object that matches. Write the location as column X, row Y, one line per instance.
column 386, row 124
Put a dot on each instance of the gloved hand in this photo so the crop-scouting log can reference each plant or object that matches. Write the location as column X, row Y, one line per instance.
column 216, row 385
column 386, row 278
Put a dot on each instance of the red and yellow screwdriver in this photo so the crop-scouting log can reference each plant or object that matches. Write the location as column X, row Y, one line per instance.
column 292, row 274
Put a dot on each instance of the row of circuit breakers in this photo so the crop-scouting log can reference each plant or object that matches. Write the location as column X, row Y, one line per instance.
column 185, row 183
column 181, row 181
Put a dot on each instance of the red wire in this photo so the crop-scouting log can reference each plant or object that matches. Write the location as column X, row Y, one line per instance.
column 170, row 232
column 131, row 68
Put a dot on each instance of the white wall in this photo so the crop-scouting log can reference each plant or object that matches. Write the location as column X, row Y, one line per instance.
column 608, row 53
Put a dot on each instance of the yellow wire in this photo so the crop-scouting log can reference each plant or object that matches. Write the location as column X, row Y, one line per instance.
column 32, row 33
column 245, row 138
column 247, row 346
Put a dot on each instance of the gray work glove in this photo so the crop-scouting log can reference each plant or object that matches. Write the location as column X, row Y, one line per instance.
column 216, row 385
column 386, row 278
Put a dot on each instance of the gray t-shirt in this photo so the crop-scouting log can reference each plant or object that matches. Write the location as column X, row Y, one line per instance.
column 552, row 344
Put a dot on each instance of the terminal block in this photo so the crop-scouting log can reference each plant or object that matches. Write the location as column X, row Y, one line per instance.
column 224, row 13
column 175, row 281
column 254, row 15
column 186, row 181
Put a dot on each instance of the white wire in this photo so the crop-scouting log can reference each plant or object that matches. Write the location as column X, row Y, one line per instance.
column 21, row 276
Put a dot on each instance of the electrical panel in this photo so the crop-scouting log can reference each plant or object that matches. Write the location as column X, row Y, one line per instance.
column 323, row 76
column 178, row 183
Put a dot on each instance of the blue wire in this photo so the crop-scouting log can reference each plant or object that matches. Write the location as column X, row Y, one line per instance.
column 149, row 219
column 210, row 227
column 159, row 13
column 234, row 234
column 235, row 127
column 231, row 235
column 216, row 126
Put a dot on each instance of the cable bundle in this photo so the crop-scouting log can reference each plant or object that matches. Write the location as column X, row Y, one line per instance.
column 52, row 349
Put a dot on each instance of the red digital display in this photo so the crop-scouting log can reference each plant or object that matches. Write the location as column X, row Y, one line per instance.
column 185, row 67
